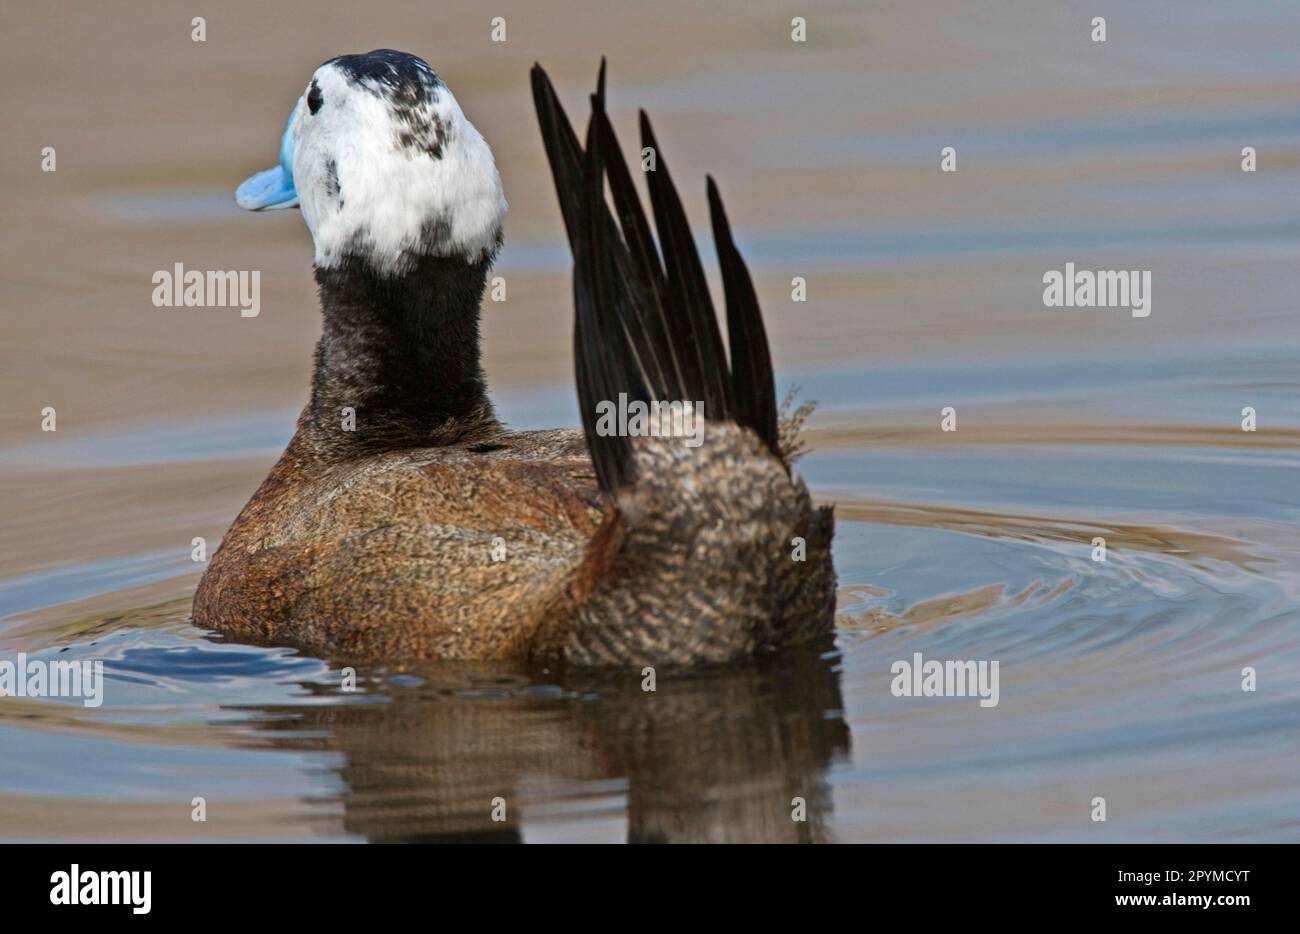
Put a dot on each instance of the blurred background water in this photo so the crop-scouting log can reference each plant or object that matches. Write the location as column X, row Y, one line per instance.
column 1120, row 680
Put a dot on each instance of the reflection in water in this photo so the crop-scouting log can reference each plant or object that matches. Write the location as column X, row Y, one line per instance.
column 712, row 756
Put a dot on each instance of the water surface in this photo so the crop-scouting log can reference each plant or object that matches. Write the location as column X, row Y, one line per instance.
column 1120, row 679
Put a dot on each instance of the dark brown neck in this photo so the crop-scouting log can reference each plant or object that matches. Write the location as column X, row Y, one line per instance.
column 397, row 365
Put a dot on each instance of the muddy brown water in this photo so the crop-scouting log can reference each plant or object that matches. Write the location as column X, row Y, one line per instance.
column 1120, row 679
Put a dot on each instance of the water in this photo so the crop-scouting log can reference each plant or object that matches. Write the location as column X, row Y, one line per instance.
column 1120, row 680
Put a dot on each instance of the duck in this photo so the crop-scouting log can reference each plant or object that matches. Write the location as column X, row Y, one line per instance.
column 405, row 523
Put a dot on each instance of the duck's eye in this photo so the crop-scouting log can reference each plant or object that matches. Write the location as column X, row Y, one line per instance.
column 314, row 98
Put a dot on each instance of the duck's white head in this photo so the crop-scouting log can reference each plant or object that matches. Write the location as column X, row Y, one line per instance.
column 385, row 167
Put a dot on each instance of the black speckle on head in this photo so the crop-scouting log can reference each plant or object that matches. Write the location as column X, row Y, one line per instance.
column 435, row 236
column 420, row 133
column 433, row 240
column 410, row 87
column 314, row 98
column 395, row 70
column 332, row 180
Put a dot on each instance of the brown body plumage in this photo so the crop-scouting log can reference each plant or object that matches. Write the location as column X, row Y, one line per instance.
column 507, row 549
column 419, row 528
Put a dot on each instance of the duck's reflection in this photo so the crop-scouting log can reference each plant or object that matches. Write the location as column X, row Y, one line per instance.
column 708, row 756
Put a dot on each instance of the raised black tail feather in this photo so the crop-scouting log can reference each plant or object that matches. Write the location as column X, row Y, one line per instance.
column 655, row 354
column 562, row 149
column 688, row 291
column 641, row 327
column 751, row 361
